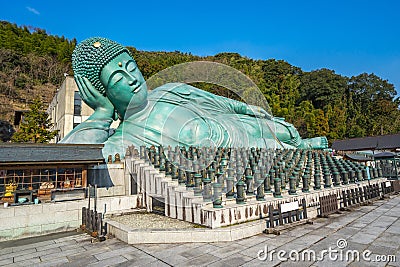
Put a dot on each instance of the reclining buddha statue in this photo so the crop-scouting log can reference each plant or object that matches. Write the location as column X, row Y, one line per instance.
column 110, row 82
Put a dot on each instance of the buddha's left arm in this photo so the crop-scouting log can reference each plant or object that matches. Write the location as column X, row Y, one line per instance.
column 245, row 109
column 215, row 103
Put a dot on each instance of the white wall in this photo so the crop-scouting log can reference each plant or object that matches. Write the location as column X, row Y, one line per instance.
column 38, row 219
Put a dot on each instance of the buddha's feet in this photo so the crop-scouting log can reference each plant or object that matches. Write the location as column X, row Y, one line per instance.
column 314, row 143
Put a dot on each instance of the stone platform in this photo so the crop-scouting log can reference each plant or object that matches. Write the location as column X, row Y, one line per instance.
column 131, row 235
column 181, row 202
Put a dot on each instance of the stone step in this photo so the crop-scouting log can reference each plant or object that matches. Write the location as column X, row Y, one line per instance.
column 180, row 202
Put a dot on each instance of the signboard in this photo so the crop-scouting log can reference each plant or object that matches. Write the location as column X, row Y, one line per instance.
column 285, row 207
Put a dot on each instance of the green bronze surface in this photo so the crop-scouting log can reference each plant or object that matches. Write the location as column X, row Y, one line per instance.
column 110, row 82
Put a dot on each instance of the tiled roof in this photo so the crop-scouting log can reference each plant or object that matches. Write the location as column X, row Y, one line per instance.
column 385, row 155
column 49, row 153
column 358, row 157
column 368, row 143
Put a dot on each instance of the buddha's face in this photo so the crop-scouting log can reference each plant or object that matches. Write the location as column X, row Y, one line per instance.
column 123, row 81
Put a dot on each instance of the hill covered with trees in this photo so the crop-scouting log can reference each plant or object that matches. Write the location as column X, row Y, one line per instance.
column 319, row 102
column 32, row 65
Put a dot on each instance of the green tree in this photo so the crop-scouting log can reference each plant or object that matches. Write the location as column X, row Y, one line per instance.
column 284, row 100
column 372, row 106
column 305, row 119
column 35, row 127
column 337, row 117
column 322, row 87
column 6, row 131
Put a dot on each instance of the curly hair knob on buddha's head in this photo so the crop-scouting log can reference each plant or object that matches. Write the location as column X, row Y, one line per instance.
column 91, row 55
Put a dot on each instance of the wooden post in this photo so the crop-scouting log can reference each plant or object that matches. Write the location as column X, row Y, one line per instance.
column 360, row 193
column 344, row 199
column 365, row 193
column 297, row 215
column 271, row 216
column 289, row 218
column 353, row 197
column 280, row 214
column 99, row 225
column 94, row 217
column 89, row 220
column 84, row 176
column 83, row 216
column 321, row 205
column 348, row 197
column 305, row 216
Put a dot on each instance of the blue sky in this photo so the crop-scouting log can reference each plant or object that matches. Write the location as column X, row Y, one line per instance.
column 350, row 37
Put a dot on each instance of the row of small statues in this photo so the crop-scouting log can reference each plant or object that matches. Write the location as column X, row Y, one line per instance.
column 245, row 172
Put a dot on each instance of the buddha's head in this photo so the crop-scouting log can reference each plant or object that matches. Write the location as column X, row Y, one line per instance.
column 112, row 70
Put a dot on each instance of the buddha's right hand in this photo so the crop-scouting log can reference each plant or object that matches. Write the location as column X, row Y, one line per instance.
column 93, row 98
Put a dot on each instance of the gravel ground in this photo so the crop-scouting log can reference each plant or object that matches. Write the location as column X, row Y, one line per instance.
column 151, row 221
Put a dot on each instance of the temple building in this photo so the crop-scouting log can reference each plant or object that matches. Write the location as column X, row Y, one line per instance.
column 43, row 187
column 28, row 168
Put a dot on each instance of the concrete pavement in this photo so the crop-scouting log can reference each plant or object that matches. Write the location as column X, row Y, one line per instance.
column 365, row 236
